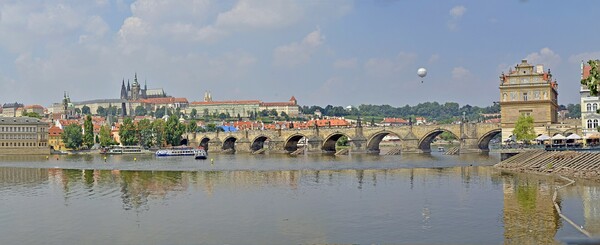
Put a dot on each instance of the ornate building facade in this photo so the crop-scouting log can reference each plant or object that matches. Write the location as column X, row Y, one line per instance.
column 23, row 136
column 528, row 90
column 243, row 108
column 589, row 106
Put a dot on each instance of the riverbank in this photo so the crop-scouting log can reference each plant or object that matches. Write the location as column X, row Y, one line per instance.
column 585, row 165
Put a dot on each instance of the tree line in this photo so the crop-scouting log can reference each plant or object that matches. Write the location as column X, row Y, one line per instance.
column 443, row 113
column 145, row 133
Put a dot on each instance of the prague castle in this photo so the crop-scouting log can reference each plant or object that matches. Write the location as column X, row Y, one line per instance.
column 135, row 92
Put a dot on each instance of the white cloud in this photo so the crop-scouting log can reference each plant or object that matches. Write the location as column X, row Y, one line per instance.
column 461, row 73
column 260, row 14
column 546, row 56
column 346, row 63
column 456, row 13
column 385, row 67
column 434, row 58
column 584, row 57
column 297, row 53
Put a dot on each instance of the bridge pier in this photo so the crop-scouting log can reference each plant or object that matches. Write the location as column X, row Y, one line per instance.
column 358, row 145
column 215, row 145
column 469, row 145
column 314, row 145
column 243, row 145
column 276, row 145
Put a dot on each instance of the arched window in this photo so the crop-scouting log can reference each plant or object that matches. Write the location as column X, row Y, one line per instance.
column 589, row 123
column 589, row 107
column 504, row 97
column 595, row 107
column 595, row 124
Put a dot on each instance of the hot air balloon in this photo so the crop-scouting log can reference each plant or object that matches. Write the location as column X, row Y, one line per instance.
column 422, row 72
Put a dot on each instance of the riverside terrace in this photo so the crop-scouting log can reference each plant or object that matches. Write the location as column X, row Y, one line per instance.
column 473, row 137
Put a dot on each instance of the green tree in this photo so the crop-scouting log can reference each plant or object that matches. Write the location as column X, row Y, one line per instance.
column 128, row 132
column 97, row 139
column 173, row 131
column 158, row 131
column 112, row 110
column 342, row 141
column 591, row 82
column 524, row 128
column 105, row 138
column 145, row 135
column 88, row 132
column 140, row 110
column 33, row 114
column 86, row 110
column 273, row 113
column 192, row 126
column 194, row 113
column 78, row 111
column 284, row 115
column 72, row 136
column 211, row 127
column 159, row 113
column 101, row 111
column 222, row 116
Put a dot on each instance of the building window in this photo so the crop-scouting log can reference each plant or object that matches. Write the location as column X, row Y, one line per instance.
column 536, row 95
column 595, row 123
column 589, row 107
column 525, row 96
column 594, row 107
column 513, row 96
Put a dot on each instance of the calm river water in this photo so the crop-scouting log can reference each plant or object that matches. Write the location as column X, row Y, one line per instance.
column 277, row 199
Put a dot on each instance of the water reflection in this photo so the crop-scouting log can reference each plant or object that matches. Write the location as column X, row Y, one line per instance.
column 434, row 205
column 529, row 214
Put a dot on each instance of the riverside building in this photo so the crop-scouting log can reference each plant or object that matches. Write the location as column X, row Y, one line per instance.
column 589, row 106
column 528, row 90
column 23, row 136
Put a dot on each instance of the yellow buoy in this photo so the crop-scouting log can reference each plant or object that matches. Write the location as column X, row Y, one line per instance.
column 134, row 159
column 212, row 161
column 47, row 157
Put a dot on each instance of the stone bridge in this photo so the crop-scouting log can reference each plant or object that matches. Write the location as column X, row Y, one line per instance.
column 473, row 138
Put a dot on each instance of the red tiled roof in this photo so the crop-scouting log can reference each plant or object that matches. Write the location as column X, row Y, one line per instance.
column 54, row 131
column 34, row 107
column 66, row 122
column 586, row 71
column 166, row 100
column 394, row 120
column 225, row 102
column 277, row 104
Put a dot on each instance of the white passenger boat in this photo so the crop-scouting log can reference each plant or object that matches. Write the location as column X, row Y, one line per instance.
column 117, row 149
column 176, row 151
column 200, row 153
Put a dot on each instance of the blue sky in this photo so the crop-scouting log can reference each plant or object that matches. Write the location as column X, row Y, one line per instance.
column 338, row 52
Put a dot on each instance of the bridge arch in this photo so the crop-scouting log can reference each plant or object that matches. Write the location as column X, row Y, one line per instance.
column 258, row 143
column 204, row 143
column 484, row 141
column 331, row 140
column 374, row 140
column 291, row 143
column 184, row 141
column 229, row 143
column 425, row 141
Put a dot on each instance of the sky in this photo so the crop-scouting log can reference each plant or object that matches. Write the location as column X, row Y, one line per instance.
column 338, row 52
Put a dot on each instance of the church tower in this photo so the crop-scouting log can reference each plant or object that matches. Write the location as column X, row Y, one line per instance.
column 123, row 90
column 135, row 89
column 144, row 94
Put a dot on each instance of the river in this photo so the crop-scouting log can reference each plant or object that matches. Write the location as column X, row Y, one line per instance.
column 278, row 199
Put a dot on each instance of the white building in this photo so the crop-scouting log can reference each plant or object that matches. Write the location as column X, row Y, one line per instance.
column 589, row 106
